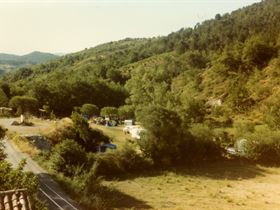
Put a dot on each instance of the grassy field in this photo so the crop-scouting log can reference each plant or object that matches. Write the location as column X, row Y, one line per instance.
column 224, row 185
column 116, row 133
column 220, row 186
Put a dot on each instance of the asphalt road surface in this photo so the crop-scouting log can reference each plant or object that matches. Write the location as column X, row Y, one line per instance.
column 50, row 192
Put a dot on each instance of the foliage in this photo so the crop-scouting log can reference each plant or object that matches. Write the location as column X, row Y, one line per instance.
column 18, row 179
column 242, row 127
column 86, row 136
column 66, row 156
column 109, row 112
column 90, row 110
column 61, row 132
column 3, row 99
column 257, row 52
column 264, row 146
column 121, row 162
column 2, row 135
column 126, row 112
column 163, row 137
column 272, row 111
column 207, row 144
column 24, row 104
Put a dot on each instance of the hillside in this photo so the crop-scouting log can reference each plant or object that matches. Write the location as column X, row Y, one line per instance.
column 10, row 62
column 225, row 58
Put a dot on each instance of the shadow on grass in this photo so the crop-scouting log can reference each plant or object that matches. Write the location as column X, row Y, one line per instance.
column 101, row 197
column 225, row 169
column 117, row 199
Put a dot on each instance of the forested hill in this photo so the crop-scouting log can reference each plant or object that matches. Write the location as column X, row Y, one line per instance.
column 10, row 62
column 232, row 58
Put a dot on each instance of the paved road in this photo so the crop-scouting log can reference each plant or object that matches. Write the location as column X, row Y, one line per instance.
column 50, row 191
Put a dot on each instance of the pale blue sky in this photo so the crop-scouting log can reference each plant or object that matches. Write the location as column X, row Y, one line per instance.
column 72, row 25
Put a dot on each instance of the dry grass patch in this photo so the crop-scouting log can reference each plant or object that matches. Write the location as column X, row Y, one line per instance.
column 218, row 186
column 23, row 144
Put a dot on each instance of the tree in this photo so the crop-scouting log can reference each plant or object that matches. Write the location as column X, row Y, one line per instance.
column 90, row 110
column 258, row 53
column 126, row 112
column 67, row 156
column 196, row 60
column 6, row 88
column 109, row 112
column 24, row 104
column 163, row 135
column 87, row 137
column 3, row 99
column 272, row 111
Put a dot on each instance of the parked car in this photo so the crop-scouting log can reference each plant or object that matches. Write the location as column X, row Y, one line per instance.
column 128, row 128
column 136, row 132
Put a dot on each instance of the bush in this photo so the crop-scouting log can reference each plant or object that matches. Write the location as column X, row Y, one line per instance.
column 2, row 135
column 207, row 144
column 89, row 110
column 242, row 127
column 121, row 162
column 264, row 146
column 67, row 156
column 257, row 52
column 63, row 130
column 87, row 137
column 168, row 141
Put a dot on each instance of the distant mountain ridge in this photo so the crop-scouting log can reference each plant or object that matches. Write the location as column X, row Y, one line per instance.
column 10, row 62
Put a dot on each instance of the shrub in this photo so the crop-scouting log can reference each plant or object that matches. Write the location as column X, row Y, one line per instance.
column 207, row 144
column 257, row 52
column 2, row 135
column 67, row 156
column 63, row 130
column 87, row 137
column 121, row 162
column 264, row 146
column 243, row 127
column 272, row 111
column 90, row 110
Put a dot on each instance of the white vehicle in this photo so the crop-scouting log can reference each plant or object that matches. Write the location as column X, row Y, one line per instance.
column 135, row 132
column 128, row 128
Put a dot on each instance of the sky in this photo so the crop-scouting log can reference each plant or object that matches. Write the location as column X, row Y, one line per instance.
column 64, row 26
